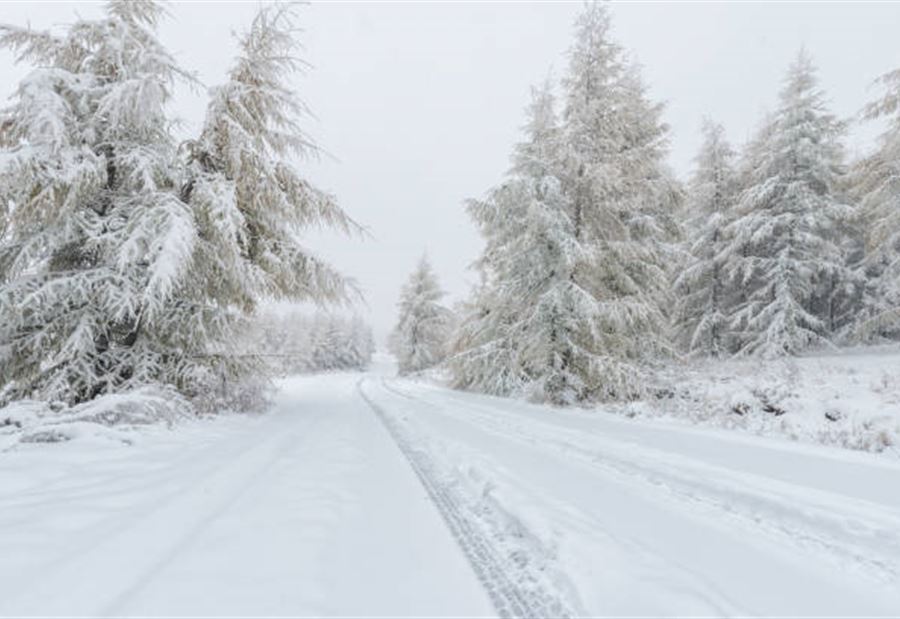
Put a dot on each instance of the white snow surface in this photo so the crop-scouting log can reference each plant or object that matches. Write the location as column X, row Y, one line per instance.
column 847, row 398
column 367, row 495
column 309, row 510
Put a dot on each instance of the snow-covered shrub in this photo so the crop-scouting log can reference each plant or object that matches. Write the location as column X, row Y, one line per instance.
column 849, row 399
column 113, row 416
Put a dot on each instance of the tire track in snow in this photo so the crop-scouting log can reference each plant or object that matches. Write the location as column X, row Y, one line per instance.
column 806, row 525
column 500, row 576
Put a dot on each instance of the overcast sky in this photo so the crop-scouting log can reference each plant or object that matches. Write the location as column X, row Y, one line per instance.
column 419, row 103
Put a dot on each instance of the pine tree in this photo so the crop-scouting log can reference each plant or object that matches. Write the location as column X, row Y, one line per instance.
column 420, row 337
column 704, row 294
column 486, row 355
column 578, row 240
column 624, row 206
column 120, row 265
column 250, row 201
column 96, row 240
column 537, row 332
column 789, row 232
column 877, row 186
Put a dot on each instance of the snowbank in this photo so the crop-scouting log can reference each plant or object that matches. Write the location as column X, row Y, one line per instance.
column 849, row 398
column 113, row 417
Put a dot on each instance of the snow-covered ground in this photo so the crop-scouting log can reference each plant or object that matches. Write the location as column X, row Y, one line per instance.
column 848, row 398
column 308, row 510
column 362, row 494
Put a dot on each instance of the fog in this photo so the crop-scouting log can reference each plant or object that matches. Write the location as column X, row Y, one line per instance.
column 418, row 104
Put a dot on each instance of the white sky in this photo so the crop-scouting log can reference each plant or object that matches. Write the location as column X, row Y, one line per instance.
column 419, row 103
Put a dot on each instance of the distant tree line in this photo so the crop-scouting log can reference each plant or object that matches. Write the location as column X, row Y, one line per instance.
column 298, row 343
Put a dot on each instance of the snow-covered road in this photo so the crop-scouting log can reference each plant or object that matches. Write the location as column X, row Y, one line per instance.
column 310, row 510
column 651, row 519
column 369, row 495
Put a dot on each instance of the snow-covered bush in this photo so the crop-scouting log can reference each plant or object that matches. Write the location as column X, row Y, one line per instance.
column 849, row 398
column 113, row 416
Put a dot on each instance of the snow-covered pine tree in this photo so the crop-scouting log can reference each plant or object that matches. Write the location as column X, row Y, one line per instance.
column 485, row 348
column 704, row 295
column 537, row 334
column 624, row 206
column 96, row 241
column 578, row 240
column 789, row 232
column 420, row 338
column 485, row 351
column 877, row 187
column 119, row 266
column 251, row 202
